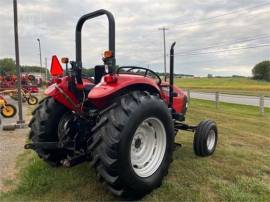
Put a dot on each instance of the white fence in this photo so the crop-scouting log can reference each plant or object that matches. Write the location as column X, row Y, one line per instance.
column 261, row 102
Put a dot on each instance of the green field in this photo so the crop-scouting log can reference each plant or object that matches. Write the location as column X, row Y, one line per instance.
column 226, row 85
column 238, row 171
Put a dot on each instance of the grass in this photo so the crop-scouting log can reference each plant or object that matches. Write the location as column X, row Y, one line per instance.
column 238, row 171
column 244, row 86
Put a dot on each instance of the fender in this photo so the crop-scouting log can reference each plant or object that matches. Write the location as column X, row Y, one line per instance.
column 104, row 91
column 60, row 92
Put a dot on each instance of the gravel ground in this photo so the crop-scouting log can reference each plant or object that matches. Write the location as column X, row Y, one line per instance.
column 11, row 144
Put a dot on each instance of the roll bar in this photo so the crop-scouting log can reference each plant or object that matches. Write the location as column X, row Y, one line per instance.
column 78, row 35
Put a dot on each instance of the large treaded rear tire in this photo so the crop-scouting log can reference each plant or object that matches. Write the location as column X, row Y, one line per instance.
column 44, row 127
column 111, row 142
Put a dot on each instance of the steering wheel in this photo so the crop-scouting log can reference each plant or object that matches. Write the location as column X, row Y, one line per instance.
column 84, row 76
column 130, row 68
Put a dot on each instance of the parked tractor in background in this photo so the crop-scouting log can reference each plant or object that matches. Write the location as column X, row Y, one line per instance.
column 124, row 121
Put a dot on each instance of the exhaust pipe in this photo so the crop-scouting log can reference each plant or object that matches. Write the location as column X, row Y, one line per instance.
column 171, row 74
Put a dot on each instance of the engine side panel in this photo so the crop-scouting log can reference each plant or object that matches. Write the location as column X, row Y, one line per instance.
column 179, row 100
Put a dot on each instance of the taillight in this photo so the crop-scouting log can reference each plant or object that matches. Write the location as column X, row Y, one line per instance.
column 110, row 78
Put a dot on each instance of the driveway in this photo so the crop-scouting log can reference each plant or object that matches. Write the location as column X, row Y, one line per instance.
column 11, row 145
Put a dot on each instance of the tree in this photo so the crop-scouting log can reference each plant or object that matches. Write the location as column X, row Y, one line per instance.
column 261, row 71
column 31, row 69
column 7, row 65
column 88, row 72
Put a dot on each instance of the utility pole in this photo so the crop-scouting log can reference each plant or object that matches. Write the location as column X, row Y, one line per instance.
column 164, row 47
column 40, row 60
column 20, row 122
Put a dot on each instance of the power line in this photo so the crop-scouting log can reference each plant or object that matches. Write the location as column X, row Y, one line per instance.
column 263, row 36
column 215, row 17
column 222, row 15
column 227, row 50
column 236, row 42
column 203, row 61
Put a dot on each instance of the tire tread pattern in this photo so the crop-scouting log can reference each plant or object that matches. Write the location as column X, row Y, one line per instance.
column 104, row 142
column 43, row 127
column 200, row 138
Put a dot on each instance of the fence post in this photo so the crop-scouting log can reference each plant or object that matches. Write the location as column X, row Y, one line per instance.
column 217, row 99
column 262, row 104
column 188, row 95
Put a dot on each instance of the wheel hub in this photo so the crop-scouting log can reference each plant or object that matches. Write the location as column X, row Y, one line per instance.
column 138, row 143
column 67, row 129
column 148, row 147
column 211, row 139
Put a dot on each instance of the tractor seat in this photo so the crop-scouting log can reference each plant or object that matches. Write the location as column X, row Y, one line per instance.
column 99, row 73
column 88, row 87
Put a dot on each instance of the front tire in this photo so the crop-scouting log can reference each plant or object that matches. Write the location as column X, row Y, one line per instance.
column 132, row 144
column 44, row 128
column 205, row 138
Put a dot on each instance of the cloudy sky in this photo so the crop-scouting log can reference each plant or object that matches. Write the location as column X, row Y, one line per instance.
column 221, row 37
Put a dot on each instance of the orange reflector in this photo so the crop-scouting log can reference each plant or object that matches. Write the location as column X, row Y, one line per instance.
column 64, row 60
column 56, row 68
column 108, row 54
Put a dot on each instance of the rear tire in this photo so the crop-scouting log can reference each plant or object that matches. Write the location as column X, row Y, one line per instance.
column 205, row 138
column 44, row 128
column 114, row 137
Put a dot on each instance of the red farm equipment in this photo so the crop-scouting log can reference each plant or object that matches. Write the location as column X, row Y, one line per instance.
column 124, row 122
column 29, row 83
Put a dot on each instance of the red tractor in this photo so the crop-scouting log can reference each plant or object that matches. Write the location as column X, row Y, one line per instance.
column 124, row 121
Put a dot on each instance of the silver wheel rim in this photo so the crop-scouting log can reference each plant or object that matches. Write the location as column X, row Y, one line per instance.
column 211, row 139
column 148, row 147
